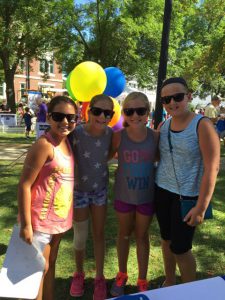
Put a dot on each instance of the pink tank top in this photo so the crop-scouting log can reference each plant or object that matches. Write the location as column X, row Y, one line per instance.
column 52, row 193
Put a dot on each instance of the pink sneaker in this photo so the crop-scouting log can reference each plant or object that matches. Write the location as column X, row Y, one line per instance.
column 100, row 290
column 77, row 285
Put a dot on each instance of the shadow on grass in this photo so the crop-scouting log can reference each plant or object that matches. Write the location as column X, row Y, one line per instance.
column 63, row 287
column 3, row 249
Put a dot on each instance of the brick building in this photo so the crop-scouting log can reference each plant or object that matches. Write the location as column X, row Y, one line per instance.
column 39, row 75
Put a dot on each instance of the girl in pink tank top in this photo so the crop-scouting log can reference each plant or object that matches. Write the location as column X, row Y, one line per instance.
column 45, row 189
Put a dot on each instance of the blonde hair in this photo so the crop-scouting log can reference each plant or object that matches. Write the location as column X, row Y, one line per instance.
column 134, row 96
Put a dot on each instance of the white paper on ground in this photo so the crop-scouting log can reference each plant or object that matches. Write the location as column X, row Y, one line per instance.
column 22, row 270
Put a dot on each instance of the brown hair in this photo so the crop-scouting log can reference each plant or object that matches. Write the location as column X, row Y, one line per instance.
column 100, row 97
column 60, row 99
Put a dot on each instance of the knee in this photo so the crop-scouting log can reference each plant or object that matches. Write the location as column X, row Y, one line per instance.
column 80, row 235
column 142, row 238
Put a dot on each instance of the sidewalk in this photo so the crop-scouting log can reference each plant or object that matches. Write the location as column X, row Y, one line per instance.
column 9, row 151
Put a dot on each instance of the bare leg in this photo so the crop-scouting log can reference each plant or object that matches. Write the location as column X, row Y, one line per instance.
column 46, row 254
column 46, row 290
column 98, row 214
column 142, row 243
column 49, row 278
column 169, row 264
column 187, row 266
column 126, row 226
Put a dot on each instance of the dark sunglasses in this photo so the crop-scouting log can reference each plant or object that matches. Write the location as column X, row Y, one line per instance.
column 58, row 117
column 176, row 97
column 140, row 111
column 97, row 111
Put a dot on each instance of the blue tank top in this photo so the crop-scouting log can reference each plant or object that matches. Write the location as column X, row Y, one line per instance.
column 187, row 158
column 134, row 181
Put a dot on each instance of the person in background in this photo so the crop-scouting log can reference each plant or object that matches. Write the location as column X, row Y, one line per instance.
column 212, row 109
column 42, row 110
column 188, row 167
column 91, row 143
column 27, row 117
column 4, row 107
column 136, row 147
column 20, row 112
column 45, row 191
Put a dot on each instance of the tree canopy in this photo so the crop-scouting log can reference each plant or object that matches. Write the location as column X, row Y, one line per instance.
column 124, row 33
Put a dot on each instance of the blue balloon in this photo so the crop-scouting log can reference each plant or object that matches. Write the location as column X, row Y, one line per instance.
column 115, row 82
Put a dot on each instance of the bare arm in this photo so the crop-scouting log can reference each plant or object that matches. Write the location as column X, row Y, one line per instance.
column 116, row 137
column 38, row 154
column 210, row 149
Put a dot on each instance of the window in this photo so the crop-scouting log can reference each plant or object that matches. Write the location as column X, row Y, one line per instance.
column 1, row 89
column 46, row 66
column 43, row 66
column 22, row 88
column 51, row 66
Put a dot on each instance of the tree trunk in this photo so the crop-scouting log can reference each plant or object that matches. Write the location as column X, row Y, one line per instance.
column 10, row 91
column 163, row 60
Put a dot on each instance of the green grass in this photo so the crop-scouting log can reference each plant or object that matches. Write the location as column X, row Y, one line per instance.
column 208, row 244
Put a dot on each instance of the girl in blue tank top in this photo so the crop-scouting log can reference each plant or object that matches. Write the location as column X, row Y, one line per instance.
column 136, row 147
column 189, row 163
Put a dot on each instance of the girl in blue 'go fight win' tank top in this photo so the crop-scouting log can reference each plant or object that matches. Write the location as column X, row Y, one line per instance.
column 134, row 187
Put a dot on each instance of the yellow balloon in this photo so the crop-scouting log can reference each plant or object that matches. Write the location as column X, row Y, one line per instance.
column 87, row 80
column 117, row 113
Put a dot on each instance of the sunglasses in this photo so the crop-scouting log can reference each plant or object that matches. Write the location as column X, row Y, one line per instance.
column 140, row 111
column 58, row 117
column 176, row 97
column 97, row 111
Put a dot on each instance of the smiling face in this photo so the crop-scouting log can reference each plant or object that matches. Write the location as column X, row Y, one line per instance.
column 135, row 113
column 175, row 108
column 100, row 121
column 63, row 127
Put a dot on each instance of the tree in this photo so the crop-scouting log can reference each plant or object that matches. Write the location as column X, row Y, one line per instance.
column 199, row 50
column 125, row 34
column 27, row 30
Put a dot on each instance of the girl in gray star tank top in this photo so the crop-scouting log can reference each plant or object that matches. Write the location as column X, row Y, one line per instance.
column 136, row 147
column 91, row 143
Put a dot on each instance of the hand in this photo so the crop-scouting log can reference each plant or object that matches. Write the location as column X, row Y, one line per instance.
column 194, row 217
column 26, row 234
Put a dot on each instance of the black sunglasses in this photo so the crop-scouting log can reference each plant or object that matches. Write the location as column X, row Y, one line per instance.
column 58, row 117
column 97, row 111
column 140, row 111
column 176, row 97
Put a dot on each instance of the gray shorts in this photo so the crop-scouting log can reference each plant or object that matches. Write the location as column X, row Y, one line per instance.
column 85, row 199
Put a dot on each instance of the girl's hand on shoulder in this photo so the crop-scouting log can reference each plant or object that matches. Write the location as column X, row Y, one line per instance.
column 26, row 233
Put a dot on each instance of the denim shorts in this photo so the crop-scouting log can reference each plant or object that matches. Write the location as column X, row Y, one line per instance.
column 85, row 199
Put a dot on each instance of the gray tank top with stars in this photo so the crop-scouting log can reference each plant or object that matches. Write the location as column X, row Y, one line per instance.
column 91, row 159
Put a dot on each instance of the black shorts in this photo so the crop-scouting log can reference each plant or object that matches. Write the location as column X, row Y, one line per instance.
column 172, row 227
column 28, row 127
